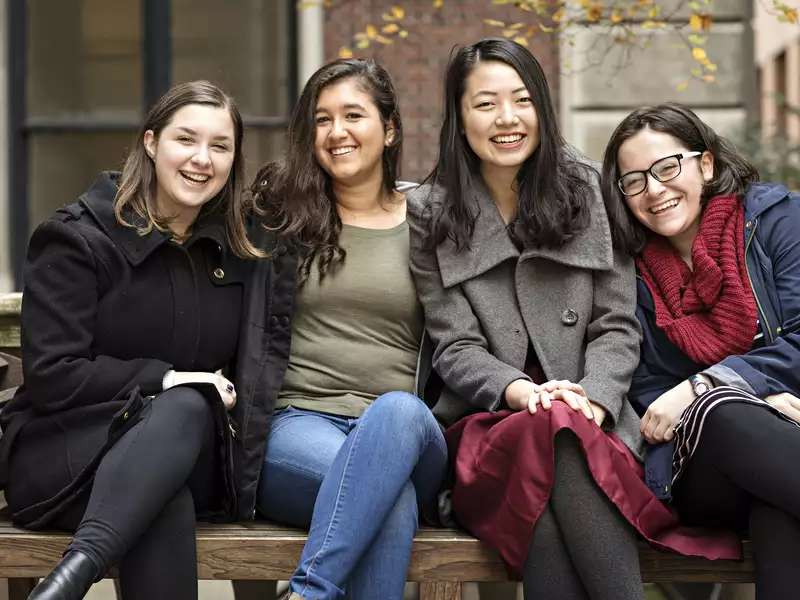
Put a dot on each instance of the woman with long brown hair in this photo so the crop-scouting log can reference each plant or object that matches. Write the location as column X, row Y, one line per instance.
column 354, row 452
column 136, row 297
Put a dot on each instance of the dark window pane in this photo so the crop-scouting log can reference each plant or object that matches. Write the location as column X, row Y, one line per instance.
column 260, row 147
column 63, row 166
column 241, row 46
column 85, row 58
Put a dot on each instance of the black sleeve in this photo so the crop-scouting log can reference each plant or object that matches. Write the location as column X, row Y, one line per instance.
column 59, row 307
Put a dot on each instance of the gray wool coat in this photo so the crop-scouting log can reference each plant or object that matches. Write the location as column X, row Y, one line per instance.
column 576, row 304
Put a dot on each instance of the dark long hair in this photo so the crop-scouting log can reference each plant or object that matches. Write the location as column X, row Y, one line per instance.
column 553, row 194
column 732, row 172
column 138, row 185
column 297, row 194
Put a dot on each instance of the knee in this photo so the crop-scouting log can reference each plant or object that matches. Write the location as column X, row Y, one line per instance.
column 183, row 407
column 403, row 410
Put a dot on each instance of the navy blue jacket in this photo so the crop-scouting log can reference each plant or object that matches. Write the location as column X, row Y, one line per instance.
column 772, row 250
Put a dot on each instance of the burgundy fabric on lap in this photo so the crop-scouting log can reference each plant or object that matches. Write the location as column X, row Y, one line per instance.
column 504, row 472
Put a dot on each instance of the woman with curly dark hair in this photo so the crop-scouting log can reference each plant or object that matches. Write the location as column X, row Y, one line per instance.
column 353, row 450
column 718, row 257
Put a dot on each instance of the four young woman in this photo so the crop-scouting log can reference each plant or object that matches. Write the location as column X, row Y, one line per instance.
column 159, row 280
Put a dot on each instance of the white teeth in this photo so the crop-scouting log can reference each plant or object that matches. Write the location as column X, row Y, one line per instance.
column 507, row 139
column 342, row 150
column 659, row 208
column 197, row 178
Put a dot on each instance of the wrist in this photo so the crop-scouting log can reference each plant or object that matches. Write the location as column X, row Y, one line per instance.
column 700, row 384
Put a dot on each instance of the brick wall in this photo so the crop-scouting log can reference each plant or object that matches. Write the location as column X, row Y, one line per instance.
column 417, row 63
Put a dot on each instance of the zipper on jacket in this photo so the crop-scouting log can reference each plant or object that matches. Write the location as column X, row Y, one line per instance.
column 762, row 315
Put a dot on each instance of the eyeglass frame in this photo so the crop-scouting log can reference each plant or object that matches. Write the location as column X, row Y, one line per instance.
column 649, row 171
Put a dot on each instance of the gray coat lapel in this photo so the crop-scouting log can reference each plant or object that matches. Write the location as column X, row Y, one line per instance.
column 491, row 244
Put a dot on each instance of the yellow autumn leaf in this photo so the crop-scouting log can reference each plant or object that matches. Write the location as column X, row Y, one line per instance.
column 390, row 28
column 516, row 26
column 695, row 22
column 615, row 17
column 681, row 87
column 711, row 67
column 790, row 14
column 558, row 15
column 383, row 40
column 361, row 44
column 398, row 11
column 494, row 23
column 709, row 78
column 345, row 52
column 403, row 34
column 438, row 3
column 545, row 28
column 371, row 31
column 699, row 55
column 521, row 41
column 509, row 33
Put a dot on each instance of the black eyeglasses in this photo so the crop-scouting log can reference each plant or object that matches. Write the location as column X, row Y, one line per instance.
column 664, row 169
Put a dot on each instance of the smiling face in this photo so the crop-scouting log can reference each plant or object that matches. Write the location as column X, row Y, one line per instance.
column 672, row 208
column 498, row 116
column 193, row 155
column 350, row 135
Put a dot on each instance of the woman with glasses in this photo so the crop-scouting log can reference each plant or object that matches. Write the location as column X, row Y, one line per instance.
column 718, row 256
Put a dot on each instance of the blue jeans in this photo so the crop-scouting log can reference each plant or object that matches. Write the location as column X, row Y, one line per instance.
column 358, row 483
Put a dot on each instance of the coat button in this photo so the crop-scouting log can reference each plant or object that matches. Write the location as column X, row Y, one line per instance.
column 273, row 320
column 280, row 250
column 219, row 273
column 569, row 317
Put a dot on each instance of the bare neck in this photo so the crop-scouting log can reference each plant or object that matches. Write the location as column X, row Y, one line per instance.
column 501, row 182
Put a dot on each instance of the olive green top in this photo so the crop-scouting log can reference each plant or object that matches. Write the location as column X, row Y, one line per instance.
column 356, row 335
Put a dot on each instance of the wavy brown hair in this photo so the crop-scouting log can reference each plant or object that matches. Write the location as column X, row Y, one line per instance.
column 733, row 173
column 135, row 204
column 296, row 194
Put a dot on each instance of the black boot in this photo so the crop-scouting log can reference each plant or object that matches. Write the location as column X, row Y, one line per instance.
column 70, row 580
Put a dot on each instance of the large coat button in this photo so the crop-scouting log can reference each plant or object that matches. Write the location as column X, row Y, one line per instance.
column 219, row 273
column 569, row 317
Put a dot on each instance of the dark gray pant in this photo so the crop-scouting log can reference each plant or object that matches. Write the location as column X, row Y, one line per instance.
column 582, row 546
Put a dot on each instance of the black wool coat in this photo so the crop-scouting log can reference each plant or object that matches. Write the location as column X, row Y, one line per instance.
column 87, row 372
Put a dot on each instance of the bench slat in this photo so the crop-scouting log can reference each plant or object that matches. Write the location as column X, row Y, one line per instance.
column 267, row 551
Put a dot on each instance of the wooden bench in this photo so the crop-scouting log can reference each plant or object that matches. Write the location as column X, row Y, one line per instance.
column 442, row 559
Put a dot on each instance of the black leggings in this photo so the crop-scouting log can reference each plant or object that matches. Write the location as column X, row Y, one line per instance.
column 140, row 514
column 744, row 475
column 582, row 545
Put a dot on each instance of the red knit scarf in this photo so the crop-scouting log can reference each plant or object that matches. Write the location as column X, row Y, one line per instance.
column 709, row 311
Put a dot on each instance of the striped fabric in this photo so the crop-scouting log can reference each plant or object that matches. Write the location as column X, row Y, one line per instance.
column 689, row 429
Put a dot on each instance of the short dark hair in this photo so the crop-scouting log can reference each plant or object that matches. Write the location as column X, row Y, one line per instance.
column 732, row 172
column 553, row 194
column 296, row 193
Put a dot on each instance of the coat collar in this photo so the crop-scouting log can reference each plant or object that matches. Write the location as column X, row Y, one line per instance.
column 491, row 244
column 760, row 197
column 99, row 202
